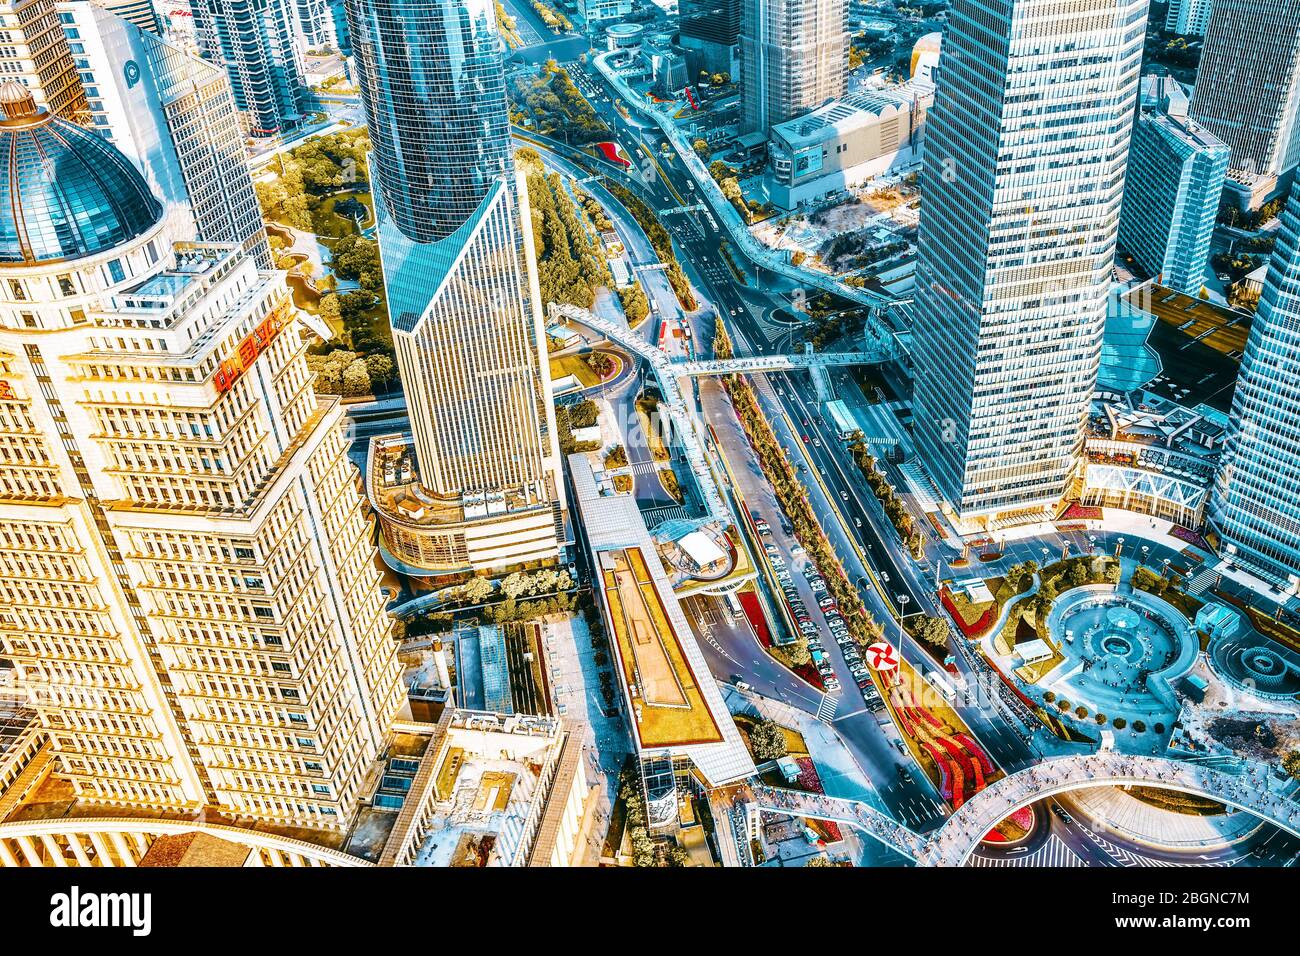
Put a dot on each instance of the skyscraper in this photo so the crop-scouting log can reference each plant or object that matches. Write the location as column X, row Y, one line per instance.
column 36, row 54
column 172, row 114
column 793, row 58
column 709, row 32
column 460, row 273
column 1172, row 190
column 1188, row 17
column 1255, row 505
column 1024, row 169
column 253, row 40
column 1248, row 90
column 188, row 587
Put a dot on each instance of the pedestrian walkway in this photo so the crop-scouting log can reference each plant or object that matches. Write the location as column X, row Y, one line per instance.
column 826, row 711
column 1202, row 581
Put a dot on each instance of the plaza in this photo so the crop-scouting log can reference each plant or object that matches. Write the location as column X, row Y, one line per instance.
column 1121, row 650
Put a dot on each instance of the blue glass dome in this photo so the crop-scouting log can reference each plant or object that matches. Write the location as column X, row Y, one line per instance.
column 64, row 192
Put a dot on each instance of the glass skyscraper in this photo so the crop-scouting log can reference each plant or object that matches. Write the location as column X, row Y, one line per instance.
column 254, row 41
column 1256, row 507
column 793, row 57
column 1024, row 168
column 432, row 76
column 1175, row 177
column 456, row 242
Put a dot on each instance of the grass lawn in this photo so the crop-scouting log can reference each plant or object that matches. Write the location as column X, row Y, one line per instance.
column 573, row 365
column 328, row 225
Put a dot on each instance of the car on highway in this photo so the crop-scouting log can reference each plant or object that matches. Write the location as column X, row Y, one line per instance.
column 1061, row 813
column 904, row 774
column 857, row 522
column 844, row 495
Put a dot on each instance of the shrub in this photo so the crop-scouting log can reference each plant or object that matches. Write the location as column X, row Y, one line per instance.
column 1120, row 723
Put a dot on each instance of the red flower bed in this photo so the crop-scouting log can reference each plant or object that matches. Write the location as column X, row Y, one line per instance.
column 970, row 630
column 1078, row 512
column 1191, row 537
column 613, row 153
column 810, row 782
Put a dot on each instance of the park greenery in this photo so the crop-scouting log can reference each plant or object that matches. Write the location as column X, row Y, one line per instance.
column 767, row 740
column 570, row 266
column 312, row 171
column 568, row 417
column 549, row 102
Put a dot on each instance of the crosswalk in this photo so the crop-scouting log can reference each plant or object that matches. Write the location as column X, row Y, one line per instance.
column 646, row 467
column 1202, row 581
column 826, row 710
column 1052, row 853
column 1125, row 857
column 654, row 517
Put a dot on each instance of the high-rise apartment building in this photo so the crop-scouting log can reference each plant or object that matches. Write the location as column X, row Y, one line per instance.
column 254, row 41
column 1176, row 170
column 188, row 586
column 1188, row 17
column 460, row 269
column 1248, row 91
column 1025, row 153
column 35, row 53
column 1255, row 504
column 172, row 114
column 793, row 58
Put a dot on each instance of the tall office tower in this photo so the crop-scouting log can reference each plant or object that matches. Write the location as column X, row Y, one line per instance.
column 793, row 58
column 1255, row 506
column 1188, row 17
column 188, row 588
column 254, row 41
column 1024, row 171
column 1176, row 171
column 313, row 24
column 139, row 12
column 1248, row 91
column 709, row 32
column 36, row 54
column 172, row 114
column 456, row 241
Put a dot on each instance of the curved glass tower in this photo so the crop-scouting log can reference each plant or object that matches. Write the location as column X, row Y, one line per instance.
column 460, row 271
column 1254, row 507
column 432, row 77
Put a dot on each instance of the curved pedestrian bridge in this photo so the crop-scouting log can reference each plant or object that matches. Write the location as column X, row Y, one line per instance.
column 953, row 842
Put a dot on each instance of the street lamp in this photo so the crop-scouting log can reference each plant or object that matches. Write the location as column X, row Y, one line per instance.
column 1146, row 550
column 1119, row 547
column 902, row 606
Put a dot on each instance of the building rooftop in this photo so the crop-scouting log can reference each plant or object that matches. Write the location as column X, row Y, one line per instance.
column 843, row 115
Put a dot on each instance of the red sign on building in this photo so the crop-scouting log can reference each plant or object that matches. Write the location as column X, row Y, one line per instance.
column 253, row 345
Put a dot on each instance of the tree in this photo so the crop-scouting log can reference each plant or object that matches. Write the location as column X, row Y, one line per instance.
column 932, row 630
column 476, row 590
column 767, row 740
column 381, row 369
column 1077, row 574
column 356, row 380
column 819, row 861
column 1291, row 763
column 516, row 584
column 701, row 148
column 1119, row 723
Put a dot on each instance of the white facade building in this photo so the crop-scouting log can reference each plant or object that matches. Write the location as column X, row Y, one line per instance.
column 1024, row 171
column 188, row 588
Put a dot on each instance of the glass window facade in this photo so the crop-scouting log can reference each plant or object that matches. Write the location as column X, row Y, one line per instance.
column 432, row 77
column 66, row 193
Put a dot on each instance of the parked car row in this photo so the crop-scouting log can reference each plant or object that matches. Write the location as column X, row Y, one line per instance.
column 798, row 609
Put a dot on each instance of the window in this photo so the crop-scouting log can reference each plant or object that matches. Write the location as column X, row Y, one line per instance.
column 17, row 290
column 115, row 270
column 65, row 285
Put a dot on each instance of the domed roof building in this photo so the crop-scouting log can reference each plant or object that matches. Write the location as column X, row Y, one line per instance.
column 65, row 193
